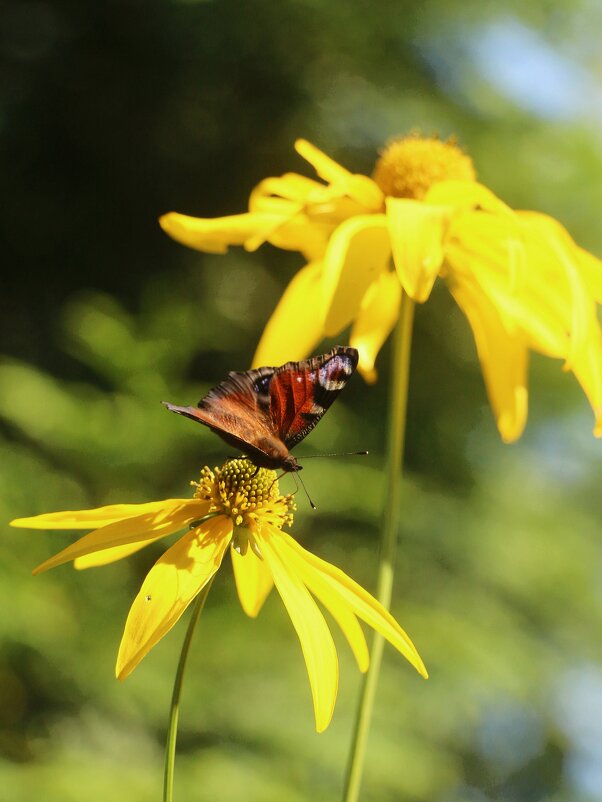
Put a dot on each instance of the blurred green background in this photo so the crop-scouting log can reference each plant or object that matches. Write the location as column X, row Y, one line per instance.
column 112, row 113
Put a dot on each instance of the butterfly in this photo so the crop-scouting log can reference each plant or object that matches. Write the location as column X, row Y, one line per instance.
column 267, row 411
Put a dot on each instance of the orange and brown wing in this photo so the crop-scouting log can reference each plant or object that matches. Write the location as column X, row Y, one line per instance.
column 301, row 392
column 237, row 410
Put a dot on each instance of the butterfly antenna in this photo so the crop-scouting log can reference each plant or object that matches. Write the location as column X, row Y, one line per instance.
column 311, row 504
column 338, row 454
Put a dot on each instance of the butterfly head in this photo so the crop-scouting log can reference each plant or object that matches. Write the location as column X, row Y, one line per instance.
column 290, row 464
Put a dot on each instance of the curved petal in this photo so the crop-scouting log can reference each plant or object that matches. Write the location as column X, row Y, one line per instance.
column 375, row 321
column 172, row 516
column 587, row 368
column 314, row 635
column 588, row 266
column 526, row 284
column 358, row 252
column 365, row 606
column 466, row 195
column 503, row 359
column 170, row 586
column 107, row 556
column 95, row 518
column 214, row 235
column 360, row 188
column 253, row 580
column 417, row 232
column 289, row 187
column 303, row 234
column 295, row 326
column 336, row 606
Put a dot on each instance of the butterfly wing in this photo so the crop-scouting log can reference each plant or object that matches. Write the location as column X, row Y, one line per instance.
column 301, row 392
column 238, row 410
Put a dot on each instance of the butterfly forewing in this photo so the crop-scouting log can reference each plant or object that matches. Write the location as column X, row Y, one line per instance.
column 235, row 410
column 301, row 392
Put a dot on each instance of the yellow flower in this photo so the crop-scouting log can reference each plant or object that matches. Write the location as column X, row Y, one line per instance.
column 233, row 508
column 519, row 278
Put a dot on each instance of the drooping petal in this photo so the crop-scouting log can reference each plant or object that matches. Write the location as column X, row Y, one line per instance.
column 295, row 326
column 336, row 606
column 358, row 252
column 589, row 267
column 417, row 232
column 304, row 234
column 253, row 580
column 527, row 288
column 172, row 515
column 314, row 635
column 591, row 270
column 289, row 187
column 587, row 368
column 214, row 235
column 375, row 321
column 503, row 357
column 466, row 195
column 95, row 518
column 365, row 606
column 169, row 587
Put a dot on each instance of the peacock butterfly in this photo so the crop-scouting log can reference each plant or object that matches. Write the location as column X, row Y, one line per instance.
column 267, row 411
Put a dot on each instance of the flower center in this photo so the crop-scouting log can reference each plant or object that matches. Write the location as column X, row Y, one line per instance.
column 408, row 167
column 248, row 495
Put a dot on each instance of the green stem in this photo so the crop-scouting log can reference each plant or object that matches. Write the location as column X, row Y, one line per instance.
column 388, row 544
column 172, row 730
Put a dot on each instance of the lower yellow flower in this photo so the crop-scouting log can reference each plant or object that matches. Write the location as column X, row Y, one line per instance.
column 236, row 508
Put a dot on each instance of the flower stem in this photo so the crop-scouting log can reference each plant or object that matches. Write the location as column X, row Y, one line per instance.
column 402, row 343
column 172, row 730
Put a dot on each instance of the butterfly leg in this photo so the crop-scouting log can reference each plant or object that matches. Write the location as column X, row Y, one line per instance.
column 280, row 477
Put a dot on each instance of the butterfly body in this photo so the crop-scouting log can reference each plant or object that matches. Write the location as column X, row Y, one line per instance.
column 267, row 411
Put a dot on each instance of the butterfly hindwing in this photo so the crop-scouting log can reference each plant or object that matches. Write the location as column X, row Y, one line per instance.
column 301, row 392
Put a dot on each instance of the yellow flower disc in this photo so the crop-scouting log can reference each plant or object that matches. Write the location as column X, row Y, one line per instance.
column 408, row 167
column 246, row 494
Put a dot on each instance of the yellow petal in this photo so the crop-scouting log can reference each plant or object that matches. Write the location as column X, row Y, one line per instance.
column 172, row 515
column 303, row 234
column 526, row 284
column 106, row 556
column 92, row 519
column 314, row 635
column 295, row 327
column 503, row 359
column 375, row 321
column 360, row 602
column 335, row 605
column 358, row 252
column 214, row 235
column 588, row 266
column 170, row 586
column 325, row 167
column 360, row 188
column 417, row 232
column 591, row 270
column 587, row 368
column 466, row 195
column 288, row 187
column 253, row 580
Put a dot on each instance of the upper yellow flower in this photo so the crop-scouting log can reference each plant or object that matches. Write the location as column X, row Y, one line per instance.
column 236, row 508
column 518, row 276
